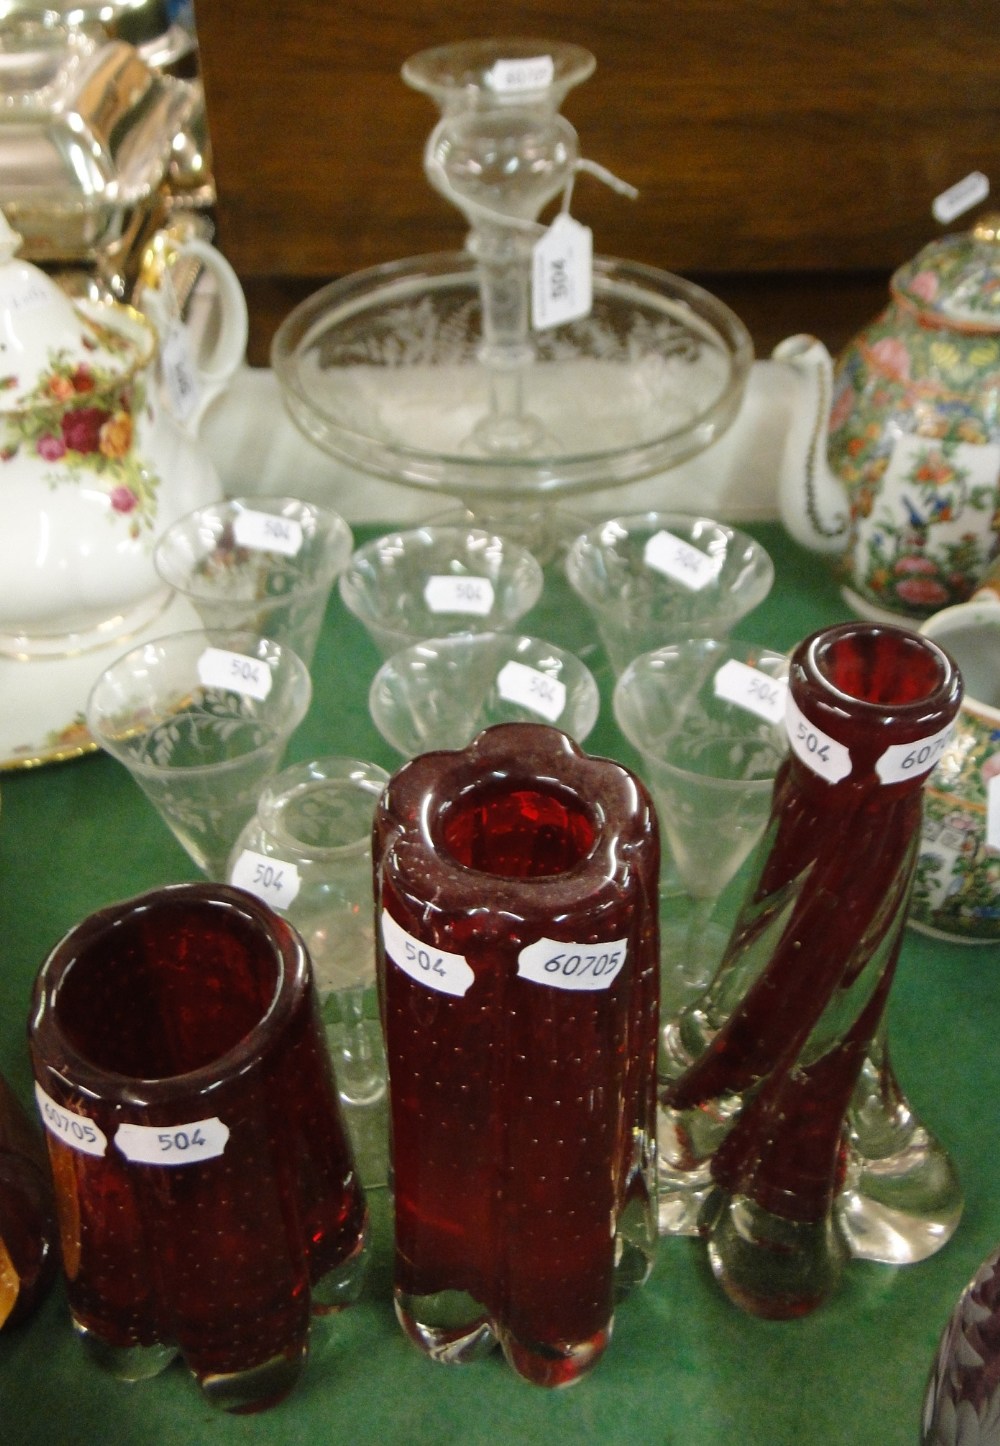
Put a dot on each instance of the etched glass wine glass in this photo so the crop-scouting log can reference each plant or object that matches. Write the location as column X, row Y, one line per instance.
column 201, row 721
column 706, row 717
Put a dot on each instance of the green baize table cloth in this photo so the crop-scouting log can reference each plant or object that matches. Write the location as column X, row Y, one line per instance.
column 684, row 1365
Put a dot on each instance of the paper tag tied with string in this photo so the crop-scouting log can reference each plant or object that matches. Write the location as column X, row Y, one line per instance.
column 179, row 368
column 180, row 375
column 562, row 273
column 960, row 197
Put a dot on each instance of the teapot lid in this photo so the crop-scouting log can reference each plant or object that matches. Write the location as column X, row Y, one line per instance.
column 956, row 279
column 46, row 341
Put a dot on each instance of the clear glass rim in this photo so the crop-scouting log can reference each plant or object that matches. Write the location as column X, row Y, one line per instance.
column 362, row 776
column 444, row 71
column 466, row 475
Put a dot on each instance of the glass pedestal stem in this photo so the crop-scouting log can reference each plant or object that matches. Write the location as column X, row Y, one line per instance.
column 503, row 257
column 360, row 1078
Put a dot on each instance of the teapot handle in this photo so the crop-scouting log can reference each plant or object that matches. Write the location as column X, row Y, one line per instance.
column 198, row 358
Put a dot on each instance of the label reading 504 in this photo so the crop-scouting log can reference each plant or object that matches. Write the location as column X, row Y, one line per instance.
column 437, row 969
column 273, row 880
column 572, row 966
column 220, row 668
column 818, row 751
column 172, row 1144
column 267, row 532
column 447, row 593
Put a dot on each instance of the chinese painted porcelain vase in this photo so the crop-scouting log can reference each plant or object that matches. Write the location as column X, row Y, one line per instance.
column 893, row 455
column 957, row 890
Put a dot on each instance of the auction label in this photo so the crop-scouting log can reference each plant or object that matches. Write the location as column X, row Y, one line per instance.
column 518, row 683
column 435, row 968
column 993, row 813
column 446, row 593
column 180, row 374
column 572, row 966
column 219, row 668
column 273, row 880
column 516, row 77
column 264, row 532
column 960, row 197
column 752, row 690
column 818, row 751
column 911, row 760
column 173, row 1144
column 562, row 274
column 72, row 1129
column 681, row 562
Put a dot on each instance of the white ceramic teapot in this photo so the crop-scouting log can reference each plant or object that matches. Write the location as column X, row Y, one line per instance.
column 94, row 463
column 892, row 457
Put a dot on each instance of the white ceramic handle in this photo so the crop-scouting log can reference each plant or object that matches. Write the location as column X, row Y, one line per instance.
column 215, row 370
column 230, row 348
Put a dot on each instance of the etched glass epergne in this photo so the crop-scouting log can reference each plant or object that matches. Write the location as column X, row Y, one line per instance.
column 435, row 371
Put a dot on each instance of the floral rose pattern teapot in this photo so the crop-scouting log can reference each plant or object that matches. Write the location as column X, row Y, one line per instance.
column 94, row 465
column 893, row 455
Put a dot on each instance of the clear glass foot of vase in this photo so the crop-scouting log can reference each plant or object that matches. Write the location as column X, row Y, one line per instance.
column 258, row 1388
column 901, row 1200
column 770, row 1266
column 686, row 1141
column 552, row 1366
column 125, row 1363
column 450, row 1326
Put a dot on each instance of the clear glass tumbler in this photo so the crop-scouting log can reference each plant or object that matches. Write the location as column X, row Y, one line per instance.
column 307, row 852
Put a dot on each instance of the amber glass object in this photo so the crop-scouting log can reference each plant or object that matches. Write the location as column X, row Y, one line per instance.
column 516, row 901
column 27, row 1221
column 779, row 1041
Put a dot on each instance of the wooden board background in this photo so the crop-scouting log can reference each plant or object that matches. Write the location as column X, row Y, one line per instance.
column 787, row 153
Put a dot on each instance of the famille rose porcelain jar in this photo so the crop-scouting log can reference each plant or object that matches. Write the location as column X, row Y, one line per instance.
column 94, row 463
column 893, row 455
column 957, row 890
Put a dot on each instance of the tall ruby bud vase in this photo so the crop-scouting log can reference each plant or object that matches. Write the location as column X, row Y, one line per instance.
column 516, row 903
column 793, row 1015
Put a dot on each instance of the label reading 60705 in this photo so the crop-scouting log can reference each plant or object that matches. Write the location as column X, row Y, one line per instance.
column 73, row 1129
column 903, row 761
column 572, row 966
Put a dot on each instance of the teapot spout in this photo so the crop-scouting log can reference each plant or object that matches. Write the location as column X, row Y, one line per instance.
column 812, row 501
